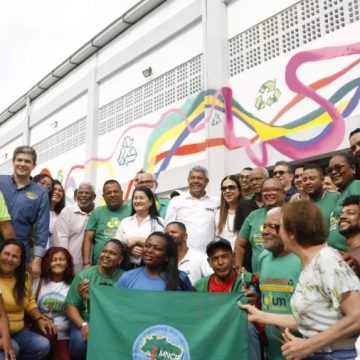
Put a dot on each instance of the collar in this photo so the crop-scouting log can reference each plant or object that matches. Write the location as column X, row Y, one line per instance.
column 77, row 209
column 189, row 196
column 13, row 180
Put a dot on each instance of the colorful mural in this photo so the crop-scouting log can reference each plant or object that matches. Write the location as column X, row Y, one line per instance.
column 176, row 126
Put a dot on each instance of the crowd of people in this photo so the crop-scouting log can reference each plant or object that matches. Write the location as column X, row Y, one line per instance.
column 289, row 243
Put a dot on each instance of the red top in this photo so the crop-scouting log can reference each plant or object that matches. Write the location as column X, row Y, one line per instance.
column 215, row 286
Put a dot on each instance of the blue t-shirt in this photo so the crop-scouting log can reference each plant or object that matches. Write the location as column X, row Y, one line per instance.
column 139, row 279
column 29, row 210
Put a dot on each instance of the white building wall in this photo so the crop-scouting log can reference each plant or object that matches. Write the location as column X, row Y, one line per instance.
column 218, row 96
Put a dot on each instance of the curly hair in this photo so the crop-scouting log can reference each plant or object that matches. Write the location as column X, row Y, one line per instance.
column 46, row 273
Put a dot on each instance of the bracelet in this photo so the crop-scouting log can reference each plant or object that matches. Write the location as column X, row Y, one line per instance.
column 86, row 262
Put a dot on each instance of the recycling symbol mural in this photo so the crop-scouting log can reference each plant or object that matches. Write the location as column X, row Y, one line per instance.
column 128, row 152
column 269, row 94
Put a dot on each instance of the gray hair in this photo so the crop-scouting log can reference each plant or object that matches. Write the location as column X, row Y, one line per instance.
column 263, row 170
column 200, row 169
column 84, row 183
column 274, row 211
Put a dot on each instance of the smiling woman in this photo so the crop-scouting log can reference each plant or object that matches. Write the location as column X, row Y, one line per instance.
column 16, row 289
column 145, row 219
column 107, row 273
column 57, row 272
column 160, row 271
column 344, row 171
column 225, row 217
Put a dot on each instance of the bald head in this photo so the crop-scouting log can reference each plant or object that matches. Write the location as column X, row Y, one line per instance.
column 273, row 193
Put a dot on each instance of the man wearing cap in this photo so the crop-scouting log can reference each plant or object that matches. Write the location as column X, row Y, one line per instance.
column 226, row 279
column 149, row 180
column 191, row 261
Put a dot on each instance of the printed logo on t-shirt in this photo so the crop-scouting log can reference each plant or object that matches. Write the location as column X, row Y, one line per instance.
column 32, row 196
column 114, row 222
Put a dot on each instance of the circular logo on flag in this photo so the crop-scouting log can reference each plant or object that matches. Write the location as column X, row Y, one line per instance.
column 161, row 342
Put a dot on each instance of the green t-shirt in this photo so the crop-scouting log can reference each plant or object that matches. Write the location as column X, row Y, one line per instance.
column 278, row 278
column 327, row 202
column 161, row 206
column 95, row 277
column 251, row 231
column 4, row 213
column 105, row 223
column 335, row 239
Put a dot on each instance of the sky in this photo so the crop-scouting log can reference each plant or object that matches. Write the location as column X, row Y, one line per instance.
column 38, row 35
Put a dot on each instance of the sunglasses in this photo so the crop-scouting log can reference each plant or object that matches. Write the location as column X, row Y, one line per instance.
column 229, row 188
column 279, row 172
column 336, row 168
column 275, row 227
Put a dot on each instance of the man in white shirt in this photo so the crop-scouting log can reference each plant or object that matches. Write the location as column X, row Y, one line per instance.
column 195, row 209
column 191, row 261
column 70, row 225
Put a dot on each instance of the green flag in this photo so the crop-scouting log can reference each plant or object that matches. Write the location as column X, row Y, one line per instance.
column 165, row 325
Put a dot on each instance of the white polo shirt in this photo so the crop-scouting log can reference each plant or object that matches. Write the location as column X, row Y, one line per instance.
column 198, row 215
column 195, row 265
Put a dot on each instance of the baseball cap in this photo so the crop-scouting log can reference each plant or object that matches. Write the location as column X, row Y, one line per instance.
column 218, row 242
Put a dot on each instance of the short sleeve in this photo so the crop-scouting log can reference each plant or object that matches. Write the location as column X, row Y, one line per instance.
column 91, row 224
column 337, row 278
column 245, row 229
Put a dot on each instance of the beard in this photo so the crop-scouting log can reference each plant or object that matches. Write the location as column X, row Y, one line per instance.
column 350, row 231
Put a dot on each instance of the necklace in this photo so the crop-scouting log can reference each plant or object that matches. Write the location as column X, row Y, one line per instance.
column 228, row 227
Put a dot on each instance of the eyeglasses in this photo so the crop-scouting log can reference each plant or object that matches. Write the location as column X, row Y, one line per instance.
column 146, row 182
column 244, row 176
column 275, row 227
column 267, row 190
column 229, row 188
column 336, row 168
column 279, row 172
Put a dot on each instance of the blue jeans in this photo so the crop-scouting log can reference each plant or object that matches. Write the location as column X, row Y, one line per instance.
column 254, row 347
column 29, row 345
column 16, row 350
column 77, row 346
column 335, row 355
